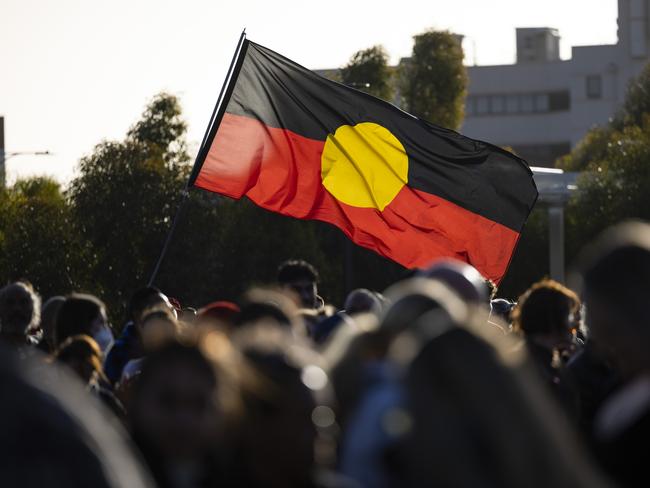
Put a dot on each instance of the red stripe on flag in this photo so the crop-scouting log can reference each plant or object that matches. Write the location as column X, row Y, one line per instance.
column 281, row 171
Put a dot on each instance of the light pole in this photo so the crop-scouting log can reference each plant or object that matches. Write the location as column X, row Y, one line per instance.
column 6, row 155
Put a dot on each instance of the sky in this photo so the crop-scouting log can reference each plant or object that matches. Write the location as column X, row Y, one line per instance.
column 77, row 72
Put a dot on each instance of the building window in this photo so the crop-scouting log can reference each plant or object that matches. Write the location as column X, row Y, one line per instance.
column 517, row 103
column 498, row 104
column 594, row 86
column 512, row 104
column 482, row 105
column 469, row 106
column 527, row 104
column 541, row 102
column 559, row 101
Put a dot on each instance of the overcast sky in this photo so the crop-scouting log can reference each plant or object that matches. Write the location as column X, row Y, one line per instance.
column 76, row 72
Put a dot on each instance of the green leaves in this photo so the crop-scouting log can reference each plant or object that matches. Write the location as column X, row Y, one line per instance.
column 104, row 234
column 433, row 82
column 37, row 239
column 368, row 71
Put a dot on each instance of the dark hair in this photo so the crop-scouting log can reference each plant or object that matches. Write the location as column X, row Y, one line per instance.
column 143, row 299
column 188, row 351
column 295, row 270
column 76, row 315
column 545, row 308
column 616, row 271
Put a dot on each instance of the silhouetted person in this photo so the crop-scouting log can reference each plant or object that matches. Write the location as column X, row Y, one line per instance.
column 20, row 308
column 464, row 279
column 83, row 356
column 83, row 314
column 274, row 441
column 544, row 317
column 220, row 314
column 49, row 312
column 53, row 434
column 175, row 415
column 616, row 284
column 129, row 344
column 302, row 279
column 476, row 414
column 156, row 328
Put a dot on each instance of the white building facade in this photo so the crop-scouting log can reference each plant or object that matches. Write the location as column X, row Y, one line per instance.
column 543, row 106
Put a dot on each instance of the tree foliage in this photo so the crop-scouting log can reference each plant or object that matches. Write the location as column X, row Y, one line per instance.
column 637, row 101
column 368, row 71
column 433, row 82
column 38, row 241
column 614, row 186
column 105, row 233
column 125, row 197
column 614, row 162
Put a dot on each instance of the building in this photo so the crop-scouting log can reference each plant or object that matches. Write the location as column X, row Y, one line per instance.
column 542, row 106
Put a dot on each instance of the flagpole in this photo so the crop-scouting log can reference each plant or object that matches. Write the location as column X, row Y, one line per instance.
column 200, row 156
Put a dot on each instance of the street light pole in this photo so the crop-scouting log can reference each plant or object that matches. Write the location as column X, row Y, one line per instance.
column 6, row 155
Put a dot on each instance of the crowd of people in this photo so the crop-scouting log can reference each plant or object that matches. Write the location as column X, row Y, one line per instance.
column 433, row 382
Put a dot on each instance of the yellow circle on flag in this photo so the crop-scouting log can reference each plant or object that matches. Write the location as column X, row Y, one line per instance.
column 364, row 165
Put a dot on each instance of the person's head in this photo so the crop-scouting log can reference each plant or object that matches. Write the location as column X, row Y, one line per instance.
column 55, row 434
column 20, row 309
column 146, row 299
column 362, row 301
column 461, row 277
column 474, row 398
column 157, row 327
column 174, row 409
column 188, row 315
column 266, row 305
column 615, row 276
column 278, row 406
column 546, row 312
column 302, row 279
column 350, row 357
column 83, row 314
column 220, row 314
column 83, row 356
column 49, row 313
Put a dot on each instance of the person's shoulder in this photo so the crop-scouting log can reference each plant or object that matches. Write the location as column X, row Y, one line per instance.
column 626, row 414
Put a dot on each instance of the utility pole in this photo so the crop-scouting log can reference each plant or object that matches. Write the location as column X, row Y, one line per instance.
column 4, row 155
column 3, row 177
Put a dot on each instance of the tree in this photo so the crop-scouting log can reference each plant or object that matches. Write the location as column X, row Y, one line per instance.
column 637, row 101
column 613, row 187
column 125, row 197
column 433, row 82
column 38, row 241
column 368, row 71
column 615, row 173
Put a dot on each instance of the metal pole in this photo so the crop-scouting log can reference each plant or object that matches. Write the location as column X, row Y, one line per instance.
column 185, row 195
column 3, row 173
column 556, row 241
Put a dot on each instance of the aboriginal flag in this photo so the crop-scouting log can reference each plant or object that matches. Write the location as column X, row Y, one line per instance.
column 296, row 143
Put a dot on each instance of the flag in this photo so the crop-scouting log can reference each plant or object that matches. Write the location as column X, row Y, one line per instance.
column 301, row 145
